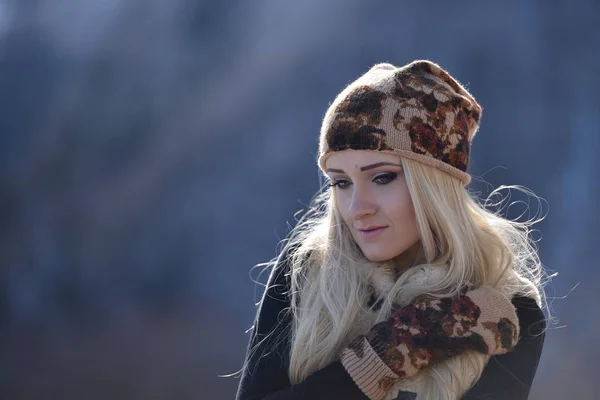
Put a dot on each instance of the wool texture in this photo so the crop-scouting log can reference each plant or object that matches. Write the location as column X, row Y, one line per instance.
column 417, row 111
column 430, row 330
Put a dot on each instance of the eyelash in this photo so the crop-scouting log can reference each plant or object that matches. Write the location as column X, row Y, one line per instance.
column 390, row 177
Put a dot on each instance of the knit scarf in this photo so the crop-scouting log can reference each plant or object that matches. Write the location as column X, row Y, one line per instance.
column 444, row 380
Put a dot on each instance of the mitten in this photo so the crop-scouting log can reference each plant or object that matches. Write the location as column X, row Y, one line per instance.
column 430, row 330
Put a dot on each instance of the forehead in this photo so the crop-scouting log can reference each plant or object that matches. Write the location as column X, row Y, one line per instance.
column 359, row 158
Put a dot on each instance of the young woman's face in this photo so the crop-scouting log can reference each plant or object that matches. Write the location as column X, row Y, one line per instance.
column 372, row 197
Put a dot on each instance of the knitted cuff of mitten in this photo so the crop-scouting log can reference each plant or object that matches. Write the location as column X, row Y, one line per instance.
column 427, row 331
column 367, row 369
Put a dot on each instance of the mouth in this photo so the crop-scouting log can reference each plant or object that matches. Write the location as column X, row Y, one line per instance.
column 371, row 232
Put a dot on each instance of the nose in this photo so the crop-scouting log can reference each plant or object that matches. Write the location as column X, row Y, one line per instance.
column 362, row 203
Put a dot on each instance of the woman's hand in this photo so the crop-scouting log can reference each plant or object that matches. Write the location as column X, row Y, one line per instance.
column 430, row 330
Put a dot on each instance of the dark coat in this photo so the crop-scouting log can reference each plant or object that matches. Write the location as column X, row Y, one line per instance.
column 265, row 376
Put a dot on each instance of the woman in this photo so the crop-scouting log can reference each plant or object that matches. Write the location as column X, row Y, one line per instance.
column 397, row 284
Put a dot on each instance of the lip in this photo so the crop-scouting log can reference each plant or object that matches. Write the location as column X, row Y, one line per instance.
column 371, row 232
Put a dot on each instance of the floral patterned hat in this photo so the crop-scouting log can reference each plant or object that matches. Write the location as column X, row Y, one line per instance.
column 417, row 111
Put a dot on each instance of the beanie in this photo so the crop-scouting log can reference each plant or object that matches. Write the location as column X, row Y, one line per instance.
column 417, row 111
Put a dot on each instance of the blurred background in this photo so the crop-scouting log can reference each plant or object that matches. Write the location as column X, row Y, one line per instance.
column 153, row 151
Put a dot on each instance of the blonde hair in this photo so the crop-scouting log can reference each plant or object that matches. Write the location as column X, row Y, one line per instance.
column 331, row 280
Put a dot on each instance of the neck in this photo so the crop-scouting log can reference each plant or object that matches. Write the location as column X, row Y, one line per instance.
column 414, row 255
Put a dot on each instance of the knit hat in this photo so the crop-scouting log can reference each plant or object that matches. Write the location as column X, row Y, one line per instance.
column 417, row 111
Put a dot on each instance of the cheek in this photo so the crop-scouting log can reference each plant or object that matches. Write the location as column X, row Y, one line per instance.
column 342, row 205
column 402, row 213
column 400, row 207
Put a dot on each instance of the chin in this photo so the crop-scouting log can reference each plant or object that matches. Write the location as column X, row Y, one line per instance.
column 377, row 256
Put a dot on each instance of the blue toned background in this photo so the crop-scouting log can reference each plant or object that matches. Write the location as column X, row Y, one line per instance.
column 153, row 151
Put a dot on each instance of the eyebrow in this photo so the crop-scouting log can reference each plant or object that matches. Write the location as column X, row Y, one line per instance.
column 365, row 168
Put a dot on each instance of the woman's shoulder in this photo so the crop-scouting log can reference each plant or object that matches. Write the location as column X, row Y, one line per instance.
column 511, row 375
column 279, row 278
column 279, row 282
column 532, row 320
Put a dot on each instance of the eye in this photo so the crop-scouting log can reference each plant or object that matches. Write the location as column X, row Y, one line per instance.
column 386, row 178
column 340, row 183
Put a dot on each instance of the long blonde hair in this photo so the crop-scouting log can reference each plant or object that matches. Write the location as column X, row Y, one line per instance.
column 461, row 238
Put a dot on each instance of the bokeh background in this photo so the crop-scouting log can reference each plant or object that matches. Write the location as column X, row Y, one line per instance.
column 153, row 151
